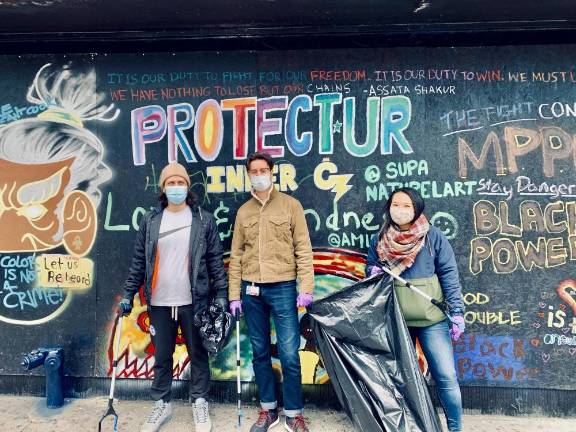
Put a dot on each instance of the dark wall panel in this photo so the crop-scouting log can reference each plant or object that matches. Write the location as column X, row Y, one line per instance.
column 486, row 134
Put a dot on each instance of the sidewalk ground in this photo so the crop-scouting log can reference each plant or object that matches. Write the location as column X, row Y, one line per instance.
column 29, row 414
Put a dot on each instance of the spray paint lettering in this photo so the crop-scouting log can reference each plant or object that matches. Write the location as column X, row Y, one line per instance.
column 510, row 252
column 554, row 143
column 492, row 358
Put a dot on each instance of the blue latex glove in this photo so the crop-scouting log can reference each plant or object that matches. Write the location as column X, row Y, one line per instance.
column 125, row 307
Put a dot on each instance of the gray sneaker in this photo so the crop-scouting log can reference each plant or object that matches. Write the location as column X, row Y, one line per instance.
column 201, row 414
column 161, row 413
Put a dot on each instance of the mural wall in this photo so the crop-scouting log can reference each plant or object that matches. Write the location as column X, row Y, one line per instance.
column 486, row 135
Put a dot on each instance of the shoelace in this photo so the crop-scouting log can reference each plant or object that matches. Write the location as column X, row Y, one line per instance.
column 156, row 413
column 299, row 424
column 262, row 417
column 201, row 411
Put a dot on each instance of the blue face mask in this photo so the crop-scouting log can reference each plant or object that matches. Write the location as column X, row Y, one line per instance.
column 176, row 194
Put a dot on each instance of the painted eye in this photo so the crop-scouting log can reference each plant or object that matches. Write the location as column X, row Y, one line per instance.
column 33, row 212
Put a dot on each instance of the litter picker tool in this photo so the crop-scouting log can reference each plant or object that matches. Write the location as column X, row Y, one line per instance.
column 438, row 304
column 110, row 412
column 238, row 384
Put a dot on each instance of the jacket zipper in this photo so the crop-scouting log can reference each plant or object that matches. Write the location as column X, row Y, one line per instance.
column 259, row 236
column 260, row 243
column 198, row 251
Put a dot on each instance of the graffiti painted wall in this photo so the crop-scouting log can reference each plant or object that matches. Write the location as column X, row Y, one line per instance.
column 486, row 135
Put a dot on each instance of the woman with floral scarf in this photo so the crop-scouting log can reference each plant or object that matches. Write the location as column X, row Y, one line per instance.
column 418, row 252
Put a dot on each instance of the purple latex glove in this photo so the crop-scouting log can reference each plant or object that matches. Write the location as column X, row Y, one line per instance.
column 236, row 305
column 304, row 300
column 374, row 270
column 457, row 327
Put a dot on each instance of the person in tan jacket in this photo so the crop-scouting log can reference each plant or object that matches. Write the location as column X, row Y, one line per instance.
column 271, row 250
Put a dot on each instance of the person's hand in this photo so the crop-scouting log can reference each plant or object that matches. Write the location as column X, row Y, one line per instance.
column 457, row 327
column 374, row 270
column 125, row 307
column 222, row 303
column 236, row 305
column 304, row 300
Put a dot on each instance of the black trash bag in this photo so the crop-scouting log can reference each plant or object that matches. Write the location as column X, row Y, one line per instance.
column 371, row 360
column 215, row 326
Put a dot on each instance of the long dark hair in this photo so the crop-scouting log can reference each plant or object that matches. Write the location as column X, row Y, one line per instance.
column 190, row 199
column 417, row 202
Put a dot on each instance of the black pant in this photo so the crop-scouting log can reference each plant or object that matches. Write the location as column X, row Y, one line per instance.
column 164, row 332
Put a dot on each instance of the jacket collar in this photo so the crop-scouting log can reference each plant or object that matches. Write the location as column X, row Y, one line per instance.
column 273, row 193
column 158, row 210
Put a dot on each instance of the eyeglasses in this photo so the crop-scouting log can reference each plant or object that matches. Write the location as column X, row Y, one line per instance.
column 262, row 171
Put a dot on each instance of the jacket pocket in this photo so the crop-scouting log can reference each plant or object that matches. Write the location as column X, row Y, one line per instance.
column 280, row 229
column 250, row 228
column 280, row 244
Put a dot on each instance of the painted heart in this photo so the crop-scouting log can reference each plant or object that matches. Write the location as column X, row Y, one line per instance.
column 535, row 342
column 545, row 357
column 565, row 330
column 542, row 305
column 572, row 350
column 536, row 325
column 541, row 314
column 567, row 293
column 562, row 306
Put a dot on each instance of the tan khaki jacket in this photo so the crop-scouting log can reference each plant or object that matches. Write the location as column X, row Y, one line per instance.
column 271, row 244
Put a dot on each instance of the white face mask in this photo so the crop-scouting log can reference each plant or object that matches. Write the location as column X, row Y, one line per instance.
column 260, row 183
column 401, row 216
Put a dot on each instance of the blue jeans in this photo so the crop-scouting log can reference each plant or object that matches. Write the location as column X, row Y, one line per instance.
column 437, row 347
column 279, row 301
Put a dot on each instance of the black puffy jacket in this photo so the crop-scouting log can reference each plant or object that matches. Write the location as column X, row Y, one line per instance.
column 207, row 275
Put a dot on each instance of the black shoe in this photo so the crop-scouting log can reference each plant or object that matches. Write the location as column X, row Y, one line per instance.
column 267, row 419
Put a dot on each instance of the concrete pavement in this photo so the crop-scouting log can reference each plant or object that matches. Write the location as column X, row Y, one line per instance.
column 29, row 414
